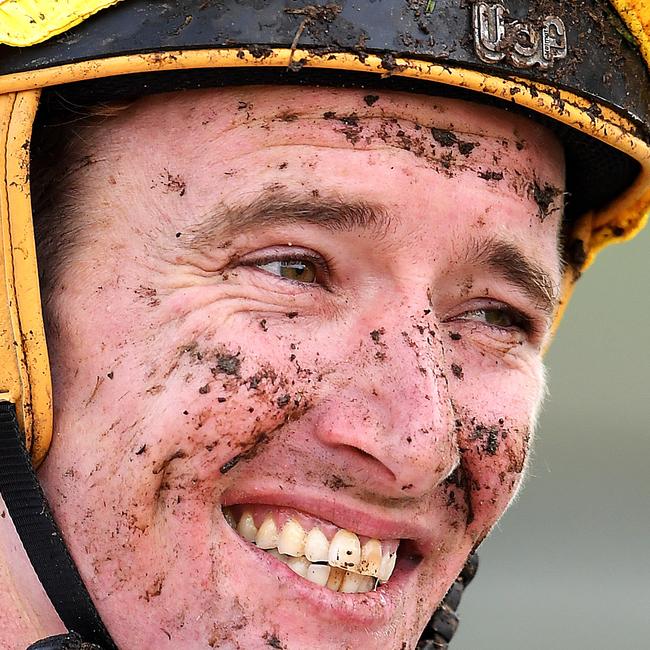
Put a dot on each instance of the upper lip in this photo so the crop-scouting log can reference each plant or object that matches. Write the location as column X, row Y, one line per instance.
column 344, row 512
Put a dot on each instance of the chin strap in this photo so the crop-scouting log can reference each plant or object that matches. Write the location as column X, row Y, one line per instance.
column 44, row 544
column 70, row 641
column 444, row 622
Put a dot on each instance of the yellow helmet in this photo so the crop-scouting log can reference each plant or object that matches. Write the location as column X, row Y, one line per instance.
column 583, row 70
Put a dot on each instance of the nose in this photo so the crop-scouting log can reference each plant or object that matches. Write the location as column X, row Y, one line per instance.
column 391, row 422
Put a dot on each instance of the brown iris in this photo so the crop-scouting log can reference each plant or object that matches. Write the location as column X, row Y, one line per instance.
column 295, row 270
column 298, row 270
column 499, row 318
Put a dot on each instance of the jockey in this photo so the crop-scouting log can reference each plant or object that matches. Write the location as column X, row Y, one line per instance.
column 276, row 283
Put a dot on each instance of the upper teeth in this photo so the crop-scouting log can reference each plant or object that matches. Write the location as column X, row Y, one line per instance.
column 316, row 546
column 351, row 567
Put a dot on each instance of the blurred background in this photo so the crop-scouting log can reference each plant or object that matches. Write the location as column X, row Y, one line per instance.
column 568, row 566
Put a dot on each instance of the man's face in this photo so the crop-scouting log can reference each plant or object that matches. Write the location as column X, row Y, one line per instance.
column 302, row 311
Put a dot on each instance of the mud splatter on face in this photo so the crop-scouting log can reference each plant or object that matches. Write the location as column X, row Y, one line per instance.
column 544, row 196
column 173, row 183
column 240, row 388
column 447, row 138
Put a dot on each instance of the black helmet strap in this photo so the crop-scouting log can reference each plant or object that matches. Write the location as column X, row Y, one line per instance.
column 70, row 641
column 41, row 537
column 444, row 622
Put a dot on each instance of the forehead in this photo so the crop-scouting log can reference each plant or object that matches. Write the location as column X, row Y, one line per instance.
column 274, row 109
column 413, row 154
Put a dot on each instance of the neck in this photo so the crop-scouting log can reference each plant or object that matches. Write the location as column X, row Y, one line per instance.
column 26, row 613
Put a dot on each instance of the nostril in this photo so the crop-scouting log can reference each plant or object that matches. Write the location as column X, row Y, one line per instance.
column 361, row 453
column 362, row 460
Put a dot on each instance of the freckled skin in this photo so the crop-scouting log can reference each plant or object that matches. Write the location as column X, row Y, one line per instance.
column 227, row 378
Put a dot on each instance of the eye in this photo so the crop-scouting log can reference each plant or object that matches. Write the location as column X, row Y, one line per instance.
column 501, row 317
column 296, row 270
column 295, row 265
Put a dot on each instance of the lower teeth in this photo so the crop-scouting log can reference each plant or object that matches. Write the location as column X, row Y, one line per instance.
column 333, row 578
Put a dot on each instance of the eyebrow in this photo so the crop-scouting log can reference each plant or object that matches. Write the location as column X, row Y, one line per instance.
column 277, row 207
column 507, row 261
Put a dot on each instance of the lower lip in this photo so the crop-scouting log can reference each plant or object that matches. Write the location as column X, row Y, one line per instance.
column 372, row 609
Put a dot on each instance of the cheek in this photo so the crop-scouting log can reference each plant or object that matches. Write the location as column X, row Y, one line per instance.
column 153, row 426
column 166, row 395
column 495, row 416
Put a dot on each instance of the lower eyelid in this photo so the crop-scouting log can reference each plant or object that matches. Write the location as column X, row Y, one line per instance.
column 474, row 330
column 277, row 283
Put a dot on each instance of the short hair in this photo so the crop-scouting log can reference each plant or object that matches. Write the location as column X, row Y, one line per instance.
column 57, row 151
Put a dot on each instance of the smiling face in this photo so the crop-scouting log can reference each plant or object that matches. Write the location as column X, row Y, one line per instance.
column 319, row 324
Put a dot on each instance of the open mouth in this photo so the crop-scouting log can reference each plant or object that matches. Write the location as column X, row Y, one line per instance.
column 316, row 550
